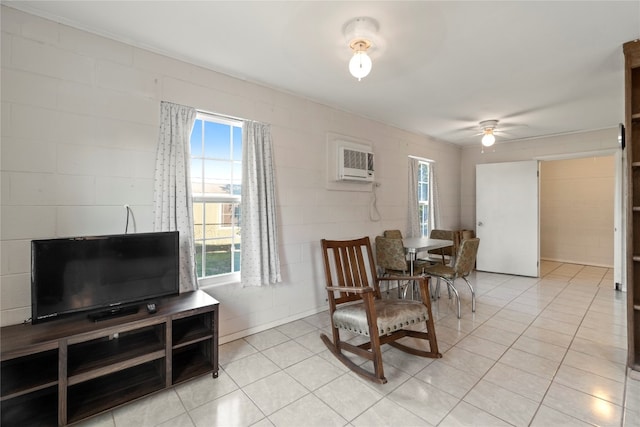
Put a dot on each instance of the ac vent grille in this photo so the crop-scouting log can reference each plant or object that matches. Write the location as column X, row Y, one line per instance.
column 355, row 165
column 356, row 159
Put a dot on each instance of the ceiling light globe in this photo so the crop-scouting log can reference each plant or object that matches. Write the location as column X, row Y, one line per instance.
column 488, row 139
column 360, row 65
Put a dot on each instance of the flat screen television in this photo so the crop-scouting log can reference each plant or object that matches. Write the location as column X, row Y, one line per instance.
column 101, row 275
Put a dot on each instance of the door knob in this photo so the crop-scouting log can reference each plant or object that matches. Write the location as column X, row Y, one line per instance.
column 480, row 224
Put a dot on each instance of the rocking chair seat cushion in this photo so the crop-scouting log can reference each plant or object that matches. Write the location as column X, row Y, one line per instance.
column 392, row 314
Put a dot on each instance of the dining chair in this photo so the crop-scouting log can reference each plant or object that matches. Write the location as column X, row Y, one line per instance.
column 464, row 264
column 391, row 259
column 397, row 234
column 392, row 234
column 443, row 255
column 356, row 306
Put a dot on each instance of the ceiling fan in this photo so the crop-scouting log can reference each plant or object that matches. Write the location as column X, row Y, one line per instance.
column 488, row 128
column 491, row 129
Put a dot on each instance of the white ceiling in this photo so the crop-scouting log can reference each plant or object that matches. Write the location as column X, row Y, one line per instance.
column 541, row 68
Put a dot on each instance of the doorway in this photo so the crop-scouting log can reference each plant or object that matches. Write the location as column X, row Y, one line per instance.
column 617, row 200
column 576, row 210
column 613, row 200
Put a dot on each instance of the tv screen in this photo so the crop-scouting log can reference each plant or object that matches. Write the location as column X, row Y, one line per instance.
column 71, row 275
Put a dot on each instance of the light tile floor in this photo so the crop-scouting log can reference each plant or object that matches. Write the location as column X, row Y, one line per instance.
column 537, row 352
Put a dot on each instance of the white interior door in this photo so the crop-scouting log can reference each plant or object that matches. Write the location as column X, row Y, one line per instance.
column 507, row 217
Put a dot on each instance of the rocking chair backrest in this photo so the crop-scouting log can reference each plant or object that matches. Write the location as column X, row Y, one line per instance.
column 349, row 264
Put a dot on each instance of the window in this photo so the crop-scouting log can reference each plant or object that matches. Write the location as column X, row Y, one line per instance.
column 230, row 215
column 423, row 198
column 216, row 182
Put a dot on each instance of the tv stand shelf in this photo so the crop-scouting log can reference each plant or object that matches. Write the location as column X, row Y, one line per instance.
column 67, row 370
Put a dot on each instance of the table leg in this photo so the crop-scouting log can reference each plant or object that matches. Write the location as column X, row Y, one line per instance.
column 413, row 282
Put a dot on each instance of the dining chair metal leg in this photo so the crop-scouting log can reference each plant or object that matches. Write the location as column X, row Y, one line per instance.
column 455, row 291
column 448, row 288
column 451, row 288
column 435, row 290
column 473, row 295
column 438, row 288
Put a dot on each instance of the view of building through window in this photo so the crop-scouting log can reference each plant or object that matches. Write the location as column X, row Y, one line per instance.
column 216, row 182
column 423, row 199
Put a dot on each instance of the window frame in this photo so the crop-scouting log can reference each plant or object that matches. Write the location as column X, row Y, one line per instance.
column 204, row 198
column 425, row 227
column 234, row 206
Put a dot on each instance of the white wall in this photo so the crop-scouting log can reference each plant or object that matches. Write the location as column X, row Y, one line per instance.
column 565, row 146
column 79, row 130
column 576, row 210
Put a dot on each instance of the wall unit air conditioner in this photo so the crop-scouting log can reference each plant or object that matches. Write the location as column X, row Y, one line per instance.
column 355, row 164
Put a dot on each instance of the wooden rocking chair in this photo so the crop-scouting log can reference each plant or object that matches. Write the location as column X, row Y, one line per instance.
column 356, row 305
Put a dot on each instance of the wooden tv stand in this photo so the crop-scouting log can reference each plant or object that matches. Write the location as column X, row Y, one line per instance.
column 66, row 370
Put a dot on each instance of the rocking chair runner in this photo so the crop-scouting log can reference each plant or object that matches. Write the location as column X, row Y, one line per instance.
column 356, row 305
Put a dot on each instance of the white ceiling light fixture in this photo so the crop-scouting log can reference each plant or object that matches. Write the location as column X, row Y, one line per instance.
column 488, row 127
column 360, row 63
column 360, row 33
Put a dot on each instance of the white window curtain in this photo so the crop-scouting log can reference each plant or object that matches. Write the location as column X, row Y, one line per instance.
column 434, row 198
column 413, row 218
column 260, row 262
column 172, row 191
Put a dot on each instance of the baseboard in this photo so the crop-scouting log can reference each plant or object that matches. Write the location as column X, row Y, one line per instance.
column 256, row 329
column 566, row 261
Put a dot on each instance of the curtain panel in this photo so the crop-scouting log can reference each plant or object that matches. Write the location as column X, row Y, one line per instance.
column 434, row 198
column 173, row 209
column 413, row 217
column 260, row 262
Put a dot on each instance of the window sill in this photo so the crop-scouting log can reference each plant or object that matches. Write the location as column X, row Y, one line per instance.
column 213, row 282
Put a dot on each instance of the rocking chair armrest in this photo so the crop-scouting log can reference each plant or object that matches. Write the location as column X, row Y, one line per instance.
column 350, row 289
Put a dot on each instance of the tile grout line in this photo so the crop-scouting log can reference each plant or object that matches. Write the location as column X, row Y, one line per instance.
column 461, row 399
column 566, row 285
column 567, row 351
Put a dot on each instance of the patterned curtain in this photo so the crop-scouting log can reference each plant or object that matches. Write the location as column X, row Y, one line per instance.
column 260, row 262
column 434, row 198
column 413, row 217
column 172, row 192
